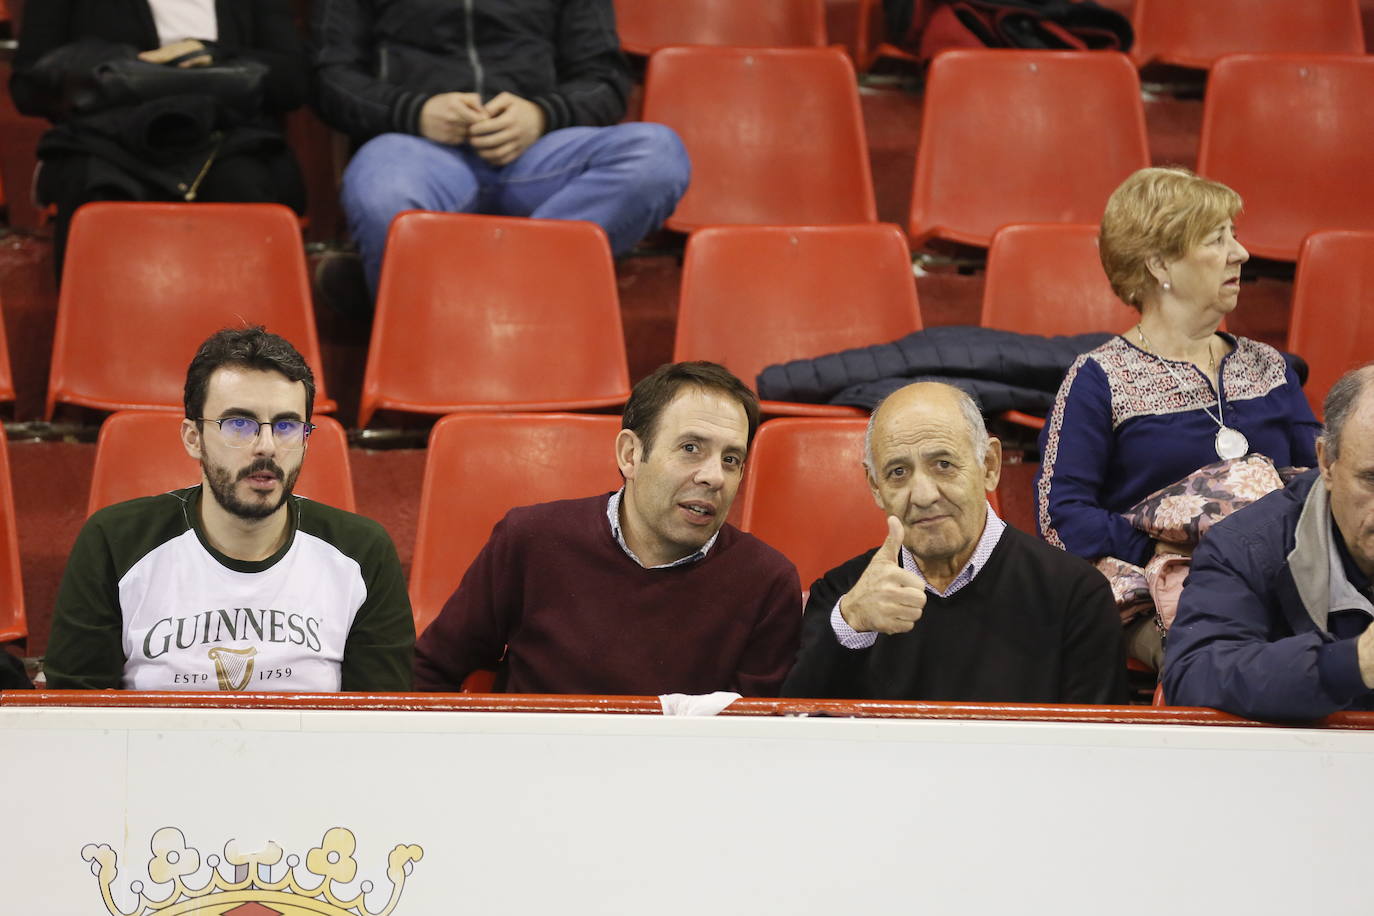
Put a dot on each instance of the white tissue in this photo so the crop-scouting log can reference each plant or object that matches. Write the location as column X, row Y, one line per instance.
column 701, row 704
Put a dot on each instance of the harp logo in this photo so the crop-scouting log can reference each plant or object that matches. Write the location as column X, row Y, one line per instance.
column 233, row 667
column 251, row 883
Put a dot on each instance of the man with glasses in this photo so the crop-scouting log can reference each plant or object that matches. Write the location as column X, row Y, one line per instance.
column 235, row 584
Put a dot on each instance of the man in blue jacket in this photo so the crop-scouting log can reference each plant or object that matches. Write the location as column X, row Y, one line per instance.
column 490, row 106
column 1275, row 619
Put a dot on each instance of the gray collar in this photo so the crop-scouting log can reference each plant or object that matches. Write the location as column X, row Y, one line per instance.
column 1315, row 563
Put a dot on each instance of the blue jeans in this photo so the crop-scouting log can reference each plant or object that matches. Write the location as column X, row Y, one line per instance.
column 627, row 178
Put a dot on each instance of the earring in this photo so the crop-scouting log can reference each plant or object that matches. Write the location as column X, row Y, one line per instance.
column 1167, row 286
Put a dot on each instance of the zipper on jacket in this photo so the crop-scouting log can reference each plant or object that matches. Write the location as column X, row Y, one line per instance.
column 190, row 193
column 473, row 59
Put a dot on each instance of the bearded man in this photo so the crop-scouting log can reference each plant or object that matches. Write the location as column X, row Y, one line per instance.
column 235, row 584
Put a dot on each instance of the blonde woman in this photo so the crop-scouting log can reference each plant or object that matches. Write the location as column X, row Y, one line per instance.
column 1173, row 393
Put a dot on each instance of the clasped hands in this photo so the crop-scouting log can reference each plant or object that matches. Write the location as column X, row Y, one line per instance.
column 887, row 598
column 183, row 52
column 498, row 131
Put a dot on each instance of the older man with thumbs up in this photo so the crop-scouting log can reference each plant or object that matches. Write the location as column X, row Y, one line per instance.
column 955, row 604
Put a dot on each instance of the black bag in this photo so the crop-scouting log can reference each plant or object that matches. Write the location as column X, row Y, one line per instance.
column 92, row 75
column 129, row 81
column 926, row 27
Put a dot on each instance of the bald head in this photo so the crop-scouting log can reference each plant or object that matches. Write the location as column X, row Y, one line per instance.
column 1348, row 396
column 936, row 397
column 931, row 466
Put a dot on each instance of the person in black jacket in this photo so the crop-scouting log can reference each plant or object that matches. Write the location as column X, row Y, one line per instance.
column 490, row 106
column 188, row 146
column 956, row 604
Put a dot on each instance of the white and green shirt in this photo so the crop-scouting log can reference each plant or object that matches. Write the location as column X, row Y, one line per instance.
column 147, row 604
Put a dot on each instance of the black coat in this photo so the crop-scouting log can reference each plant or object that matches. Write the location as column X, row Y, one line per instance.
column 259, row 30
column 117, row 152
column 1002, row 370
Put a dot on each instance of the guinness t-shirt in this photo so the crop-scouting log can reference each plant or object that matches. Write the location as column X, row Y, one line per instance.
column 147, row 604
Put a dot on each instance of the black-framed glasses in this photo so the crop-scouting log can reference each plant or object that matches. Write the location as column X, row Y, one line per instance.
column 242, row 432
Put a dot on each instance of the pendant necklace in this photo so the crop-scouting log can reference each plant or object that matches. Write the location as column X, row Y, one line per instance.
column 1229, row 443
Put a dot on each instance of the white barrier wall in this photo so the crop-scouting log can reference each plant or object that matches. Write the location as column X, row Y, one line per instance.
column 545, row 814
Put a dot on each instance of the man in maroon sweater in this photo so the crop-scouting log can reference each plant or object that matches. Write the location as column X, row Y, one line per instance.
column 641, row 591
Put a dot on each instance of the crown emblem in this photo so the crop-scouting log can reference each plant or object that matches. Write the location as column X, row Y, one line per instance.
column 250, row 890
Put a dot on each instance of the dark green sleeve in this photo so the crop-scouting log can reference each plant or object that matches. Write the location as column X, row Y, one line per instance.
column 377, row 655
column 85, row 646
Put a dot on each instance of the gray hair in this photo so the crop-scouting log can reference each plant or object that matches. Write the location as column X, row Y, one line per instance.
column 973, row 420
column 1339, row 404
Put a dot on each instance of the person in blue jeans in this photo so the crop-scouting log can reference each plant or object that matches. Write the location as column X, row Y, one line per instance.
column 490, row 106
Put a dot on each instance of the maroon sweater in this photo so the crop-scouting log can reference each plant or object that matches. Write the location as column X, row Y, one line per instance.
column 574, row 614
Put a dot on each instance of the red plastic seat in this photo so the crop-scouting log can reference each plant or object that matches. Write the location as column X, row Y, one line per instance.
column 1023, row 137
column 1192, row 34
column 1332, row 325
column 6, row 378
column 139, row 453
column 13, row 623
column 647, row 25
column 808, row 494
column 1291, row 134
column 1046, row 278
column 495, row 313
column 775, row 135
column 146, row 283
column 757, row 295
column 479, row 467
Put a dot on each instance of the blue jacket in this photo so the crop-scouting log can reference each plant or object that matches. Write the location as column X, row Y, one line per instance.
column 1001, row 370
column 1254, row 632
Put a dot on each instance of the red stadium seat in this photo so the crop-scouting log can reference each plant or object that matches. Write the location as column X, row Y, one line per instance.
column 647, row 25
column 1023, row 137
column 139, row 453
column 1332, row 326
column 146, row 283
column 1291, row 134
column 479, row 467
column 757, row 295
column 807, row 494
column 495, row 313
column 1192, row 34
column 1046, row 278
column 775, row 135
column 13, row 624
column 6, row 378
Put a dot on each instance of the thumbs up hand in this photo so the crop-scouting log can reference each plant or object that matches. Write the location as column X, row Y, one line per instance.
column 887, row 598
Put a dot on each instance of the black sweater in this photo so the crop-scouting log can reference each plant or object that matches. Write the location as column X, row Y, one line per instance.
column 1036, row 625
